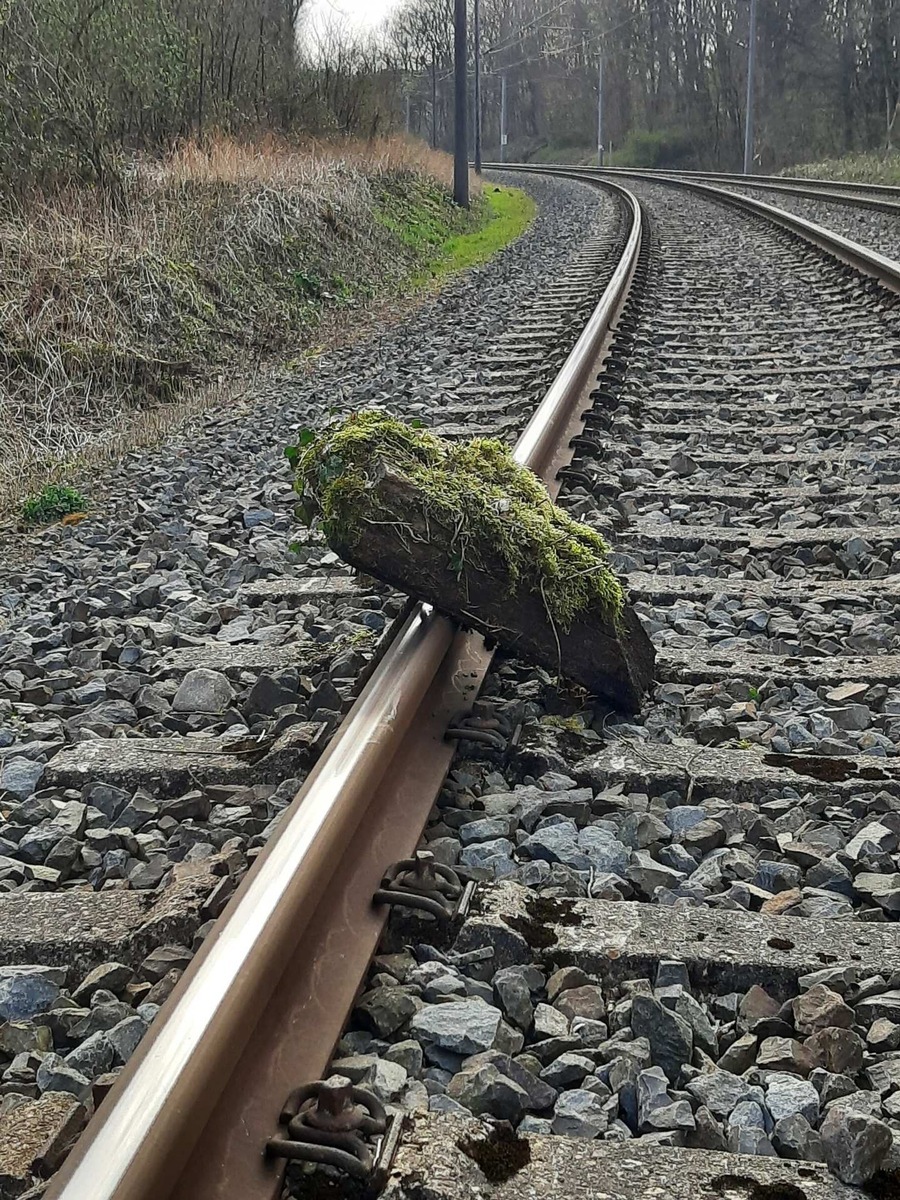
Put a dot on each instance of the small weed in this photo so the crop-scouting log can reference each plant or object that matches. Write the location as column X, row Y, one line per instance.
column 307, row 285
column 53, row 502
column 754, row 693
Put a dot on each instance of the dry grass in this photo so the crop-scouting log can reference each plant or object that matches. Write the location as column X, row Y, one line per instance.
column 277, row 162
column 221, row 258
column 869, row 167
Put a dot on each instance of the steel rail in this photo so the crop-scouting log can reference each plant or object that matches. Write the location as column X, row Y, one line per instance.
column 813, row 185
column 854, row 254
column 877, row 198
column 261, row 1006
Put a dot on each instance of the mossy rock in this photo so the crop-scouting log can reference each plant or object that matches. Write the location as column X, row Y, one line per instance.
column 465, row 527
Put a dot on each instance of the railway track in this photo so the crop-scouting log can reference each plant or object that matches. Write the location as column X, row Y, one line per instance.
column 865, row 213
column 866, row 195
column 633, row 880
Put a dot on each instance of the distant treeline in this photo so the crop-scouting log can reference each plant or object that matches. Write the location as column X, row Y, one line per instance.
column 81, row 81
column 674, row 75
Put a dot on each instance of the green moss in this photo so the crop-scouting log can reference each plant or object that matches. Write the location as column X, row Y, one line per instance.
column 474, row 488
column 567, row 724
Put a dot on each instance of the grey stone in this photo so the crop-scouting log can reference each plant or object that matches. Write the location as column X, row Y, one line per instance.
column 670, row 1036
column 125, row 1038
column 385, row 1010
column 707, row 1133
column 24, row 996
column 865, row 1102
column 675, row 1117
column 647, row 874
column 444, row 1104
column 883, row 889
column 514, row 996
column 488, row 829
column 670, row 972
column 740, row 1055
column 386, row 1079
column 721, row 1091
column 748, row 1115
column 884, row 1075
column 702, row 1028
column 651, row 1092
column 604, row 851
column 883, row 1035
column 111, row 976
column 461, row 1026
column 540, row 1095
column 95, row 1056
column 54, row 1075
column 855, row 1145
column 786, row 1095
column 408, row 1055
column 557, row 843
column 549, row 1022
column 487, row 1091
column 20, row 777
column 580, row 1113
column 744, row 1139
column 569, row 1068
column 795, row 1138
column 203, row 691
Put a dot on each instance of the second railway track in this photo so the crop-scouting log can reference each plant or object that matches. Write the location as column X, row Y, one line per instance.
column 634, row 880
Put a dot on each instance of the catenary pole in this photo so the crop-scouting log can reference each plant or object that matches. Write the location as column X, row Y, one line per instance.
column 751, row 90
column 504, row 116
column 600, row 112
column 461, row 130
column 477, row 32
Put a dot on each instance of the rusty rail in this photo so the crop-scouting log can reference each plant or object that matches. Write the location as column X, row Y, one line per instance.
column 261, row 1006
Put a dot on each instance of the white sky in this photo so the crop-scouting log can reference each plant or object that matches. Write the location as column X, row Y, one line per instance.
column 362, row 14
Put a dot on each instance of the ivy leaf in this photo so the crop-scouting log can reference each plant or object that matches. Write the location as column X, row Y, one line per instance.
column 306, row 437
column 415, row 423
column 292, row 454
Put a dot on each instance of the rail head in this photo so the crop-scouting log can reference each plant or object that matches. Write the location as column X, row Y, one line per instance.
column 145, row 1137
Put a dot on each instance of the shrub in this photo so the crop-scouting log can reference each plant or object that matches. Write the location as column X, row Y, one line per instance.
column 53, row 501
column 654, row 148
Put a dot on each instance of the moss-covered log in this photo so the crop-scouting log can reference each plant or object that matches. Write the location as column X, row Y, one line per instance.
column 464, row 527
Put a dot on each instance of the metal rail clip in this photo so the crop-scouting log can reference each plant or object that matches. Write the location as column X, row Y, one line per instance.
column 487, row 731
column 422, row 883
column 328, row 1125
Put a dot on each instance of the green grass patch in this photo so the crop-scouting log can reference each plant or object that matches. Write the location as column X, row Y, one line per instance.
column 852, row 168
column 505, row 215
column 52, row 503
